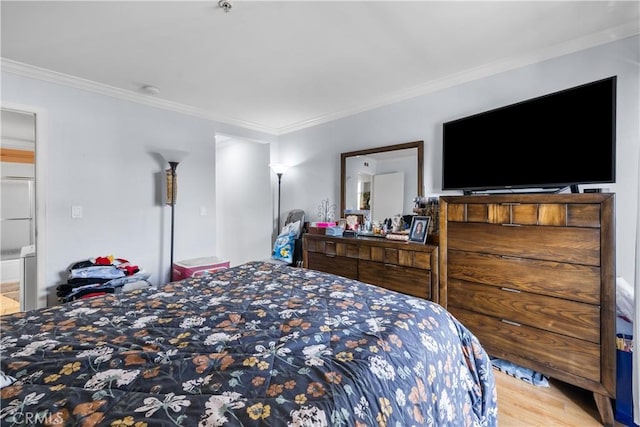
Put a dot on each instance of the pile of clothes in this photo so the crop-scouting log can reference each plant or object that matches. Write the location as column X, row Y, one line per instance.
column 100, row 276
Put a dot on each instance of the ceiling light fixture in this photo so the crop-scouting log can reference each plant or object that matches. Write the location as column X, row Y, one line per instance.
column 150, row 90
column 225, row 5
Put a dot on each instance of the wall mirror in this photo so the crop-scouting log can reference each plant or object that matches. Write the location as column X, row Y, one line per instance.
column 381, row 182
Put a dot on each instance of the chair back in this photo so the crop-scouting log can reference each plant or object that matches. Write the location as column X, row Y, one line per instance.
column 296, row 215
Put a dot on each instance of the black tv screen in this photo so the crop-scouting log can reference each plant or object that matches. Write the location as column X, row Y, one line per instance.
column 552, row 141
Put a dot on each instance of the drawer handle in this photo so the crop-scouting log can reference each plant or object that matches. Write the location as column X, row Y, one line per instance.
column 391, row 265
column 515, row 291
column 509, row 322
column 510, row 204
column 511, row 225
column 515, row 258
column 329, row 256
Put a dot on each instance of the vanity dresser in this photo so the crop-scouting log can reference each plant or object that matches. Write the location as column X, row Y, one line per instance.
column 407, row 267
column 533, row 277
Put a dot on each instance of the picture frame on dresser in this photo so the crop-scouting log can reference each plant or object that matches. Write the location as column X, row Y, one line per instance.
column 419, row 229
column 354, row 221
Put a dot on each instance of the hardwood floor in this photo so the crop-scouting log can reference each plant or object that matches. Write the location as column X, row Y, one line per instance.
column 10, row 290
column 9, row 297
column 561, row 404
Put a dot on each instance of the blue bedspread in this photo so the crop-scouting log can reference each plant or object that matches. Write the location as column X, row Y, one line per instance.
column 257, row 344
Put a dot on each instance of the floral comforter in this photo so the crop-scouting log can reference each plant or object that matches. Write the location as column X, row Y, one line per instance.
column 257, row 344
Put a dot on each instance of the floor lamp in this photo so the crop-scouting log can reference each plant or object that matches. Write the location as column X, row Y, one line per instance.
column 279, row 169
column 172, row 178
column 173, row 158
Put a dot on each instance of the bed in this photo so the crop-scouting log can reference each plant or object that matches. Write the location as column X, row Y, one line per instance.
column 256, row 344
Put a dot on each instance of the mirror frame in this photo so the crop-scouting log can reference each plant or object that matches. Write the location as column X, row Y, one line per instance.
column 343, row 162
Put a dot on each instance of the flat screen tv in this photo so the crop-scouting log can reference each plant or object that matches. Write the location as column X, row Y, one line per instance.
column 558, row 140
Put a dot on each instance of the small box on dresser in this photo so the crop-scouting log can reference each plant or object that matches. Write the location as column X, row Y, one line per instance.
column 533, row 277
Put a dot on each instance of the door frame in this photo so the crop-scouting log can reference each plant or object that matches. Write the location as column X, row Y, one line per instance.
column 41, row 127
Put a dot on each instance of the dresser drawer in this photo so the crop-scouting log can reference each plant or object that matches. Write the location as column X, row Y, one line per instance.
column 575, row 319
column 544, row 349
column 561, row 244
column 519, row 213
column 404, row 257
column 371, row 272
column 342, row 249
column 333, row 248
column 415, row 259
column 342, row 266
column 411, row 281
column 562, row 280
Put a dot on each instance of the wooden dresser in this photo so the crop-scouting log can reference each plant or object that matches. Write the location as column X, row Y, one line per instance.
column 410, row 268
column 533, row 277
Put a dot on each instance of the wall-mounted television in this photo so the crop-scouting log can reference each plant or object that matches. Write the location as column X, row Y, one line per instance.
column 558, row 140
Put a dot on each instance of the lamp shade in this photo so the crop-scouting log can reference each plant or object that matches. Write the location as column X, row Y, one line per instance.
column 170, row 155
column 279, row 168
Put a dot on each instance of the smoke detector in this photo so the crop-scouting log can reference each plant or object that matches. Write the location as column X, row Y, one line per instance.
column 225, row 5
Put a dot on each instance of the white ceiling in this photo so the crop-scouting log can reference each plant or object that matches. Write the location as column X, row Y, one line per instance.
column 278, row 66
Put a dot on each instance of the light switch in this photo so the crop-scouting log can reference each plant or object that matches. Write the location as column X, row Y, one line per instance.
column 203, row 210
column 76, row 211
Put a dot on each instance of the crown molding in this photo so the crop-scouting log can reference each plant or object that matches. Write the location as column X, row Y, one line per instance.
column 629, row 29
column 44, row 74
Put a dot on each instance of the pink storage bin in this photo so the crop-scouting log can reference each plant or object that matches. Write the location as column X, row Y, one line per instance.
column 197, row 266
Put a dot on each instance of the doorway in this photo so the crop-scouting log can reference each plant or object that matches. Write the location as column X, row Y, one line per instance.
column 18, row 284
column 243, row 200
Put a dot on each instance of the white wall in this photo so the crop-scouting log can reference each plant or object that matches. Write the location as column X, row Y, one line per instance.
column 97, row 152
column 243, row 201
column 315, row 151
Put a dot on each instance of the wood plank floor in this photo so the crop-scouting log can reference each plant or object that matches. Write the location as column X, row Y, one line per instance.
column 560, row 404
column 9, row 297
column 10, row 290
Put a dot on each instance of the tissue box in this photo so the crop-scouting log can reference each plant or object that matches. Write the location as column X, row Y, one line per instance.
column 197, row 266
column 334, row 231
